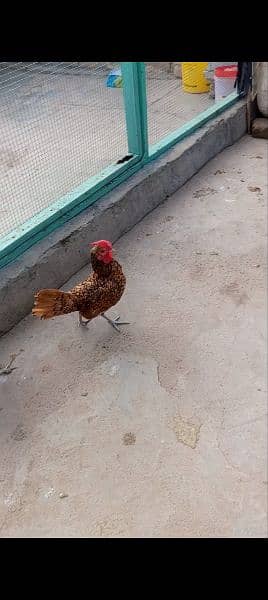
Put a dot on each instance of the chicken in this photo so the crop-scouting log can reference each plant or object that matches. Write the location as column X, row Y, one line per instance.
column 93, row 297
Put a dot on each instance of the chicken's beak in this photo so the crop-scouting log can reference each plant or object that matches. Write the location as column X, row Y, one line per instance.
column 93, row 249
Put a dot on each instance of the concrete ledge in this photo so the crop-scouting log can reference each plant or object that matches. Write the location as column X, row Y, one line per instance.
column 51, row 262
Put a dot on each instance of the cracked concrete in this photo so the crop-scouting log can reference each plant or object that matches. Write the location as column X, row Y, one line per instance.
column 160, row 431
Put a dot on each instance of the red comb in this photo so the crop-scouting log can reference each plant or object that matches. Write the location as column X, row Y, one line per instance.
column 102, row 244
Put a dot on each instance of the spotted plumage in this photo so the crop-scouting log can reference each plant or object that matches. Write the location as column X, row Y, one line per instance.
column 94, row 296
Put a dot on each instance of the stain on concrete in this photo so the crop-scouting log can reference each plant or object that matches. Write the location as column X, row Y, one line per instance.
column 10, row 159
column 115, row 525
column 230, row 289
column 186, row 432
column 204, row 192
column 168, row 218
column 129, row 439
column 254, row 188
column 19, row 434
column 46, row 369
column 234, row 291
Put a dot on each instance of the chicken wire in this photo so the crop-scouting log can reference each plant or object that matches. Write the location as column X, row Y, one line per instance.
column 59, row 125
column 169, row 107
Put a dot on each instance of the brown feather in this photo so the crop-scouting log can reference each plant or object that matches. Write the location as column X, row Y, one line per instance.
column 99, row 292
column 52, row 303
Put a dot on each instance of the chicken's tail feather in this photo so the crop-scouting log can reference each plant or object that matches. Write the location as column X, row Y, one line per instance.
column 52, row 303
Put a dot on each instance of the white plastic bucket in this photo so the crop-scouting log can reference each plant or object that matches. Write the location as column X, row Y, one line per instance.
column 224, row 79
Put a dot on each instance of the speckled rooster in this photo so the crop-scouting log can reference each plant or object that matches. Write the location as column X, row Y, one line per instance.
column 91, row 298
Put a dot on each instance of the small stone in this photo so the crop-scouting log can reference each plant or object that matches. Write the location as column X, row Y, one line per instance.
column 84, row 394
column 254, row 188
column 49, row 492
column 260, row 128
column 62, row 495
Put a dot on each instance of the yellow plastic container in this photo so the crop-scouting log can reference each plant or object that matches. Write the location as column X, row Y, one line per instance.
column 193, row 79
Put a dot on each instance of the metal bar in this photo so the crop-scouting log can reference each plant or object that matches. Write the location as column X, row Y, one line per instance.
column 143, row 109
column 176, row 136
column 61, row 211
column 134, row 89
column 64, row 209
column 70, row 205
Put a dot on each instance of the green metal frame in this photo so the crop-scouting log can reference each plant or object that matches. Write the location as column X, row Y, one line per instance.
column 177, row 136
column 70, row 205
column 61, row 211
column 134, row 89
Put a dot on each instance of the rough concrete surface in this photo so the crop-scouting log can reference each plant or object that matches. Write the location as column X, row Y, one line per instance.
column 51, row 262
column 160, row 431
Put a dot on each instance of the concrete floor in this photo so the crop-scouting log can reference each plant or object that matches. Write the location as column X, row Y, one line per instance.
column 58, row 129
column 160, row 431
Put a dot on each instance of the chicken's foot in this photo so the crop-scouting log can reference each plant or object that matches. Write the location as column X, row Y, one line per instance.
column 114, row 322
column 82, row 323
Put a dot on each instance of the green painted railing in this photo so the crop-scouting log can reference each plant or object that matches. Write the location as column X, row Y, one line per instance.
column 134, row 89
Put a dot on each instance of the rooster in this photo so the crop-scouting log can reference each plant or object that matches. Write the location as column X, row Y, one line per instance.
column 91, row 298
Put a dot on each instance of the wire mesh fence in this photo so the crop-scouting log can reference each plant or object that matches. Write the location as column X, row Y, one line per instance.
column 59, row 125
column 178, row 92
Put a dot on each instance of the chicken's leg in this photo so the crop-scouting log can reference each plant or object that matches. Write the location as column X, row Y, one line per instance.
column 82, row 323
column 115, row 323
